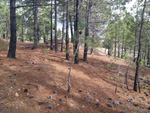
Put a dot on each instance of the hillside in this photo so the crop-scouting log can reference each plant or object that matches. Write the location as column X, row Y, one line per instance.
column 36, row 82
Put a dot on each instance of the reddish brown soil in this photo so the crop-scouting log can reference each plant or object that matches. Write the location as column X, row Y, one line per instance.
column 40, row 70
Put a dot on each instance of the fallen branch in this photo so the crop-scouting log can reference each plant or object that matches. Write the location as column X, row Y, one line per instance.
column 69, row 86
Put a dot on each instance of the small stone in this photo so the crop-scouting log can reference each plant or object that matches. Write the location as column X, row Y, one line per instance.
column 54, row 92
column 116, row 103
column 88, row 95
column 71, row 105
column 135, row 104
column 129, row 100
column 109, row 98
column 80, row 90
column 41, row 102
column 97, row 104
column 49, row 106
column 96, row 100
column 16, row 94
column 31, row 96
column 110, row 105
column 1, row 102
column 127, row 106
column 91, row 98
column 122, row 112
column 5, row 70
column 148, row 108
column 11, row 64
column 61, row 99
column 142, row 98
column 25, row 90
column 95, row 93
column 146, row 94
column 50, row 97
column 27, row 94
column 1, row 63
column 142, row 107
column 45, row 59
column 56, row 86
column 15, row 74
column 21, row 103
column 121, row 102
column 26, row 62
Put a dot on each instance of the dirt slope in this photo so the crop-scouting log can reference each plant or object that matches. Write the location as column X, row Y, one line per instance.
column 41, row 75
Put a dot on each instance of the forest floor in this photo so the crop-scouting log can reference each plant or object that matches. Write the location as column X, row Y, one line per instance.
column 36, row 82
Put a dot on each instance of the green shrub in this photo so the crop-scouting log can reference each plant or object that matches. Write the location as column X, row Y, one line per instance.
column 144, row 89
column 110, row 78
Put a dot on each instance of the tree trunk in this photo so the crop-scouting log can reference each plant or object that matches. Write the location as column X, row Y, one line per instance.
column 35, row 25
column 22, row 34
column 145, row 53
column 119, row 48
column 125, row 49
column 139, row 53
column 134, row 50
column 122, row 47
column 56, row 48
column 3, row 35
column 87, row 31
column 44, row 32
column 22, row 31
column 148, row 51
column 70, row 17
column 76, row 38
column 12, row 44
column 38, row 29
column 115, row 48
column 92, row 42
column 148, row 55
column 63, row 27
column 67, row 37
column 7, row 29
column 136, row 29
column 109, row 53
column 122, row 51
column 51, row 42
